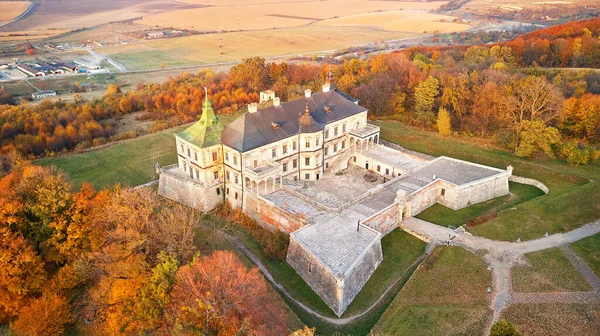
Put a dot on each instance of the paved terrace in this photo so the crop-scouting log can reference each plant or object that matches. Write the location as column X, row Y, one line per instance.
column 454, row 171
column 397, row 159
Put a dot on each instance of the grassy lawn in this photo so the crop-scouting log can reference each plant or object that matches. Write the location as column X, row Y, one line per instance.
column 446, row 296
column 129, row 162
column 550, row 271
column 445, row 216
column 400, row 250
column 555, row 319
column 589, row 250
column 573, row 199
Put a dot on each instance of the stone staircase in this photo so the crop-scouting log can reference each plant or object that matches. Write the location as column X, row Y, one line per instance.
column 341, row 161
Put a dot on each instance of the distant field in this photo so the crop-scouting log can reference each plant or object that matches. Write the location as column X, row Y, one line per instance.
column 415, row 21
column 29, row 34
column 227, row 47
column 274, row 15
column 11, row 9
column 484, row 6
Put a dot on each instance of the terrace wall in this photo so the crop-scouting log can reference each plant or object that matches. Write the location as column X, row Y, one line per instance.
column 270, row 215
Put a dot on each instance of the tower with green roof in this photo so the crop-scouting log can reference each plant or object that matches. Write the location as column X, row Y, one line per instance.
column 200, row 156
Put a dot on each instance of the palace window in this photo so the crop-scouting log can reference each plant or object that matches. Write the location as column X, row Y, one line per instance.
column 307, row 144
column 237, row 179
column 335, row 148
column 335, row 131
column 216, row 175
column 236, row 195
column 295, row 163
column 197, row 174
column 285, row 167
column 307, row 176
column 343, row 144
column 307, row 161
column 196, row 156
column 378, row 168
column 182, row 149
column 274, row 153
column 317, row 142
column 343, row 127
column 226, row 156
column 228, row 176
column 294, row 145
column 443, row 192
column 184, row 167
column 326, row 134
column 284, row 149
column 214, row 156
column 387, row 171
column 218, row 191
column 235, row 160
column 295, row 178
column 326, row 150
column 189, row 155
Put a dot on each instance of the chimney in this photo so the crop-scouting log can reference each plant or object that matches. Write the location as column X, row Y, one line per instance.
column 433, row 177
column 253, row 107
column 326, row 87
column 276, row 101
column 307, row 93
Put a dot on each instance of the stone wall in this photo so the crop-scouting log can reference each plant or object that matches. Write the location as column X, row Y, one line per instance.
column 528, row 181
column 270, row 215
column 317, row 276
column 476, row 192
column 423, row 199
column 187, row 192
column 386, row 220
column 358, row 275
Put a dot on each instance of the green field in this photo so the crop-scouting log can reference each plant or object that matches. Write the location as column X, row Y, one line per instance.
column 573, row 199
column 550, row 271
column 555, row 319
column 446, row 296
column 589, row 250
column 445, row 216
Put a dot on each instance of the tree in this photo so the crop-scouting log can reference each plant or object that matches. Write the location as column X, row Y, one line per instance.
column 504, row 328
column 22, row 272
column 425, row 94
column 217, row 294
column 45, row 316
column 444, row 124
column 531, row 98
column 251, row 74
column 536, row 136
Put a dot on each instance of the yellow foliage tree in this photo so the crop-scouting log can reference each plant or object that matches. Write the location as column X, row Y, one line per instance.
column 444, row 123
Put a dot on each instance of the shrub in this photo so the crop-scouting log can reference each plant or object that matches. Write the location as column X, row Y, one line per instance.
column 504, row 328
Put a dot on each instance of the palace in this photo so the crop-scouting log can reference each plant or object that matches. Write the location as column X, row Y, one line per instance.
column 314, row 167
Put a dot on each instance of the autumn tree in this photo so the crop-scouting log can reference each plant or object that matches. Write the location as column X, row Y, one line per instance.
column 217, row 294
column 45, row 316
column 536, row 136
column 425, row 94
column 22, row 272
column 444, row 123
column 251, row 74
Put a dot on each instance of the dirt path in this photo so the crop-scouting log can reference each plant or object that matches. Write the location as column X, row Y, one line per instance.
column 502, row 256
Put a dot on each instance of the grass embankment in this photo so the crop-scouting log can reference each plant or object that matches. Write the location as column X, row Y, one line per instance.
column 446, row 296
column 129, row 162
column 589, row 250
column 550, row 271
column 445, row 216
column 400, row 250
column 573, row 199
column 557, row 319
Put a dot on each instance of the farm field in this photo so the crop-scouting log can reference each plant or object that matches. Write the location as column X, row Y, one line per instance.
column 413, row 20
column 446, row 296
column 275, row 15
column 573, row 199
column 485, row 6
column 549, row 271
column 555, row 319
column 229, row 47
column 75, row 14
column 11, row 9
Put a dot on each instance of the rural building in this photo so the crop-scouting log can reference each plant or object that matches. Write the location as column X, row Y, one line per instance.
column 28, row 70
column 155, row 35
column 313, row 167
column 43, row 94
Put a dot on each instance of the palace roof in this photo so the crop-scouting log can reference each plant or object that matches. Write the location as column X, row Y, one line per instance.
column 206, row 131
column 253, row 130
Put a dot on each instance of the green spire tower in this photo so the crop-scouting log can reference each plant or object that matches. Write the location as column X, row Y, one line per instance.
column 207, row 130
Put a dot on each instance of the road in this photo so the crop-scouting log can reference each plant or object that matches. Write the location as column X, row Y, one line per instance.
column 114, row 63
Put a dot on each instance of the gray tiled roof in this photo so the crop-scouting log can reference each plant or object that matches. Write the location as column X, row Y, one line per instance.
column 454, row 171
column 253, row 130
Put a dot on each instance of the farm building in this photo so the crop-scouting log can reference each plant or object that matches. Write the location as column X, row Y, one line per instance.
column 43, row 94
column 28, row 70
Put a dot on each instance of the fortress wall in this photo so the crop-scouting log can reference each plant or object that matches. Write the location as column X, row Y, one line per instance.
column 191, row 194
column 423, row 199
column 477, row 192
column 357, row 276
column 528, row 181
column 318, row 277
column 385, row 220
column 270, row 215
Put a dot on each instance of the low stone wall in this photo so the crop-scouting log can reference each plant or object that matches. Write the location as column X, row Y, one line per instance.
column 384, row 221
column 270, row 215
column 186, row 192
column 528, row 181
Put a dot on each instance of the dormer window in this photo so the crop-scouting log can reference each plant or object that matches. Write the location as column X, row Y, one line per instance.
column 327, row 109
column 275, row 125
